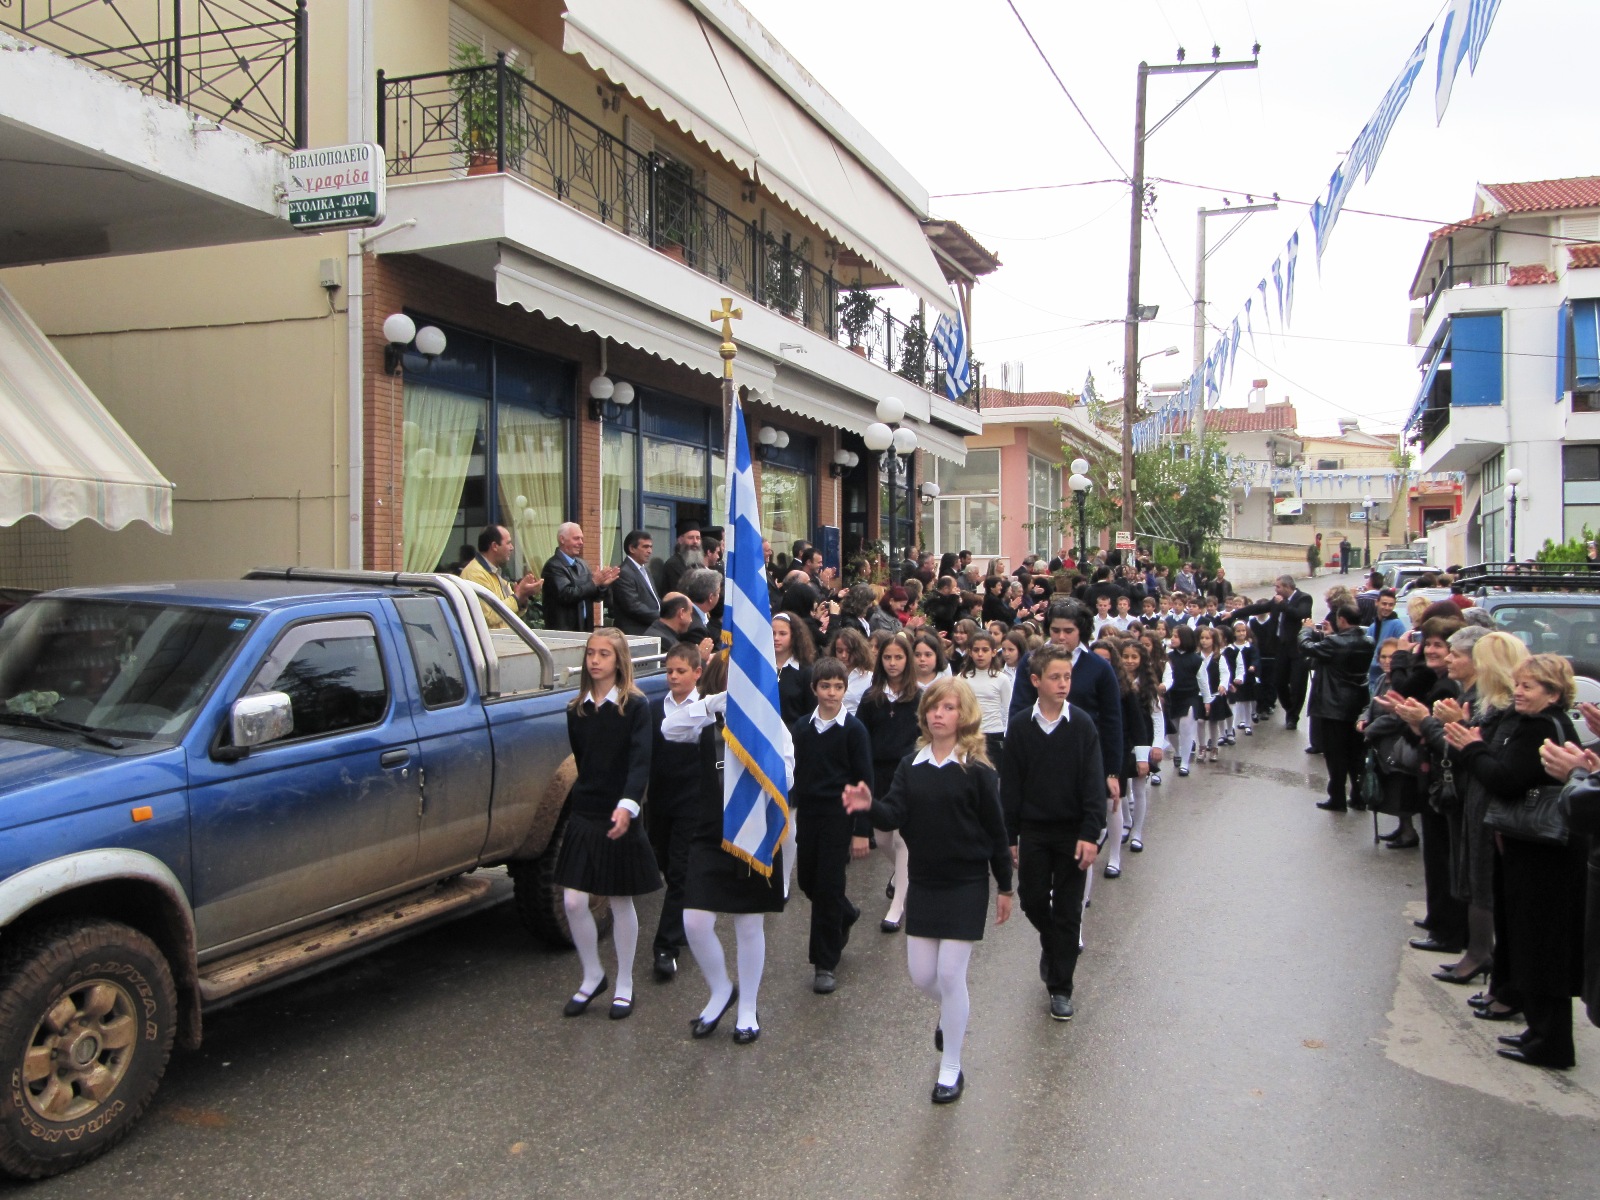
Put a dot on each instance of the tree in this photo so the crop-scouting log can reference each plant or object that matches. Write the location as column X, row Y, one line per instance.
column 1182, row 495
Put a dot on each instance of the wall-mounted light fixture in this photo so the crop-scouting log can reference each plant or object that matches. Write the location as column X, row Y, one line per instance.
column 400, row 331
column 603, row 389
column 930, row 492
column 843, row 460
column 770, row 439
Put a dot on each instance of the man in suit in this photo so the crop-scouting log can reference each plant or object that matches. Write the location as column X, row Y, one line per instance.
column 570, row 589
column 687, row 554
column 703, row 586
column 1094, row 683
column 676, row 621
column 1290, row 609
column 634, row 602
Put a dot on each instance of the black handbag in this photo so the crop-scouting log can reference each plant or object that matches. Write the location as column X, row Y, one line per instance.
column 1445, row 796
column 1540, row 816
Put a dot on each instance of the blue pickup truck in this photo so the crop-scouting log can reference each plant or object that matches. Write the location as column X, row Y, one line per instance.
column 210, row 788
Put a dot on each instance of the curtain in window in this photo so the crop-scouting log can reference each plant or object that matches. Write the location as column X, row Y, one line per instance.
column 532, row 476
column 618, row 491
column 785, row 505
column 438, row 434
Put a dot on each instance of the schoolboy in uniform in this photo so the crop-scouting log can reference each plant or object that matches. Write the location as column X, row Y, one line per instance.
column 674, row 778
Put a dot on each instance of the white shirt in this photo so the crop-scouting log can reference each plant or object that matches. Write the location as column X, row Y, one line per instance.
column 823, row 726
column 925, row 755
column 855, row 688
column 1050, row 726
column 684, row 723
column 1224, row 677
column 648, row 582
column 994, row 698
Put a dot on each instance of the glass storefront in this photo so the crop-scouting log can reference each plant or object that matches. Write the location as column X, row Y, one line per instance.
column 967, row 513
column 486, row 438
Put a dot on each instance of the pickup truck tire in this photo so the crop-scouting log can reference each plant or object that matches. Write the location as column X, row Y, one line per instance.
column 539, row 897
column 87, row 1016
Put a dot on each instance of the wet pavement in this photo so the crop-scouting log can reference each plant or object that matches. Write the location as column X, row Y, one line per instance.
column 1250, row 1022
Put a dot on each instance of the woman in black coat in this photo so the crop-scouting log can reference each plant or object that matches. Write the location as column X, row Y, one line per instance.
column 995, row 607
column 1582, row 796
column 1542, row 884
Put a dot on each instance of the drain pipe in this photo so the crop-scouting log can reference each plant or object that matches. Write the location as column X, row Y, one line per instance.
column 359, row 128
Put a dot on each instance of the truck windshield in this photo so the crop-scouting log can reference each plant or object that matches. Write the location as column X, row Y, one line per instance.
column 114, row 668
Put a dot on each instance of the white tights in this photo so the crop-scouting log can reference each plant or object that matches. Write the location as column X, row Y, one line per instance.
column 750, row 937
column 939, row 970
column 1139, row 804
column 586, row 937
column 1213, row 733
column 893, row 847
column 1113, row 834
column 1186, row 736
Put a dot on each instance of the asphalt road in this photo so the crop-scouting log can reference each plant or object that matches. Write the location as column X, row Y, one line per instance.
column 1250, row 1022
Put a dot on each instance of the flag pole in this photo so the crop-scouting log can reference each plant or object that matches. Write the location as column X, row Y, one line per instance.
column 726, row 316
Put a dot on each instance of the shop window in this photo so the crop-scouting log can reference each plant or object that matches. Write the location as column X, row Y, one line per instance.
column 1580, row 490
column 1044, row 506
column 967, row 515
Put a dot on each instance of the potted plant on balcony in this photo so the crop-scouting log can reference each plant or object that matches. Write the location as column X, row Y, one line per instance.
column 477, row 110
column 856, row 311
column 914, row 351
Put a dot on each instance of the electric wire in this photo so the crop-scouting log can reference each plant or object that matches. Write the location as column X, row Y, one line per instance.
column 1126, row 178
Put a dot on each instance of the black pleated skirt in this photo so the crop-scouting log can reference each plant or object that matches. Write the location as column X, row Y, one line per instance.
column 719, row 882
column 957, row 911
column 602, row 866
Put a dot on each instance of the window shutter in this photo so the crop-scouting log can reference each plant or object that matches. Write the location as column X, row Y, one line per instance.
column 1585, row 227
column 638, row 136
column 467, row 29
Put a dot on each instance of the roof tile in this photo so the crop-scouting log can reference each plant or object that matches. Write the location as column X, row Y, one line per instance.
column 1579, row 257
column 1530, row 274
column 1278, row 418
column 1546, row 195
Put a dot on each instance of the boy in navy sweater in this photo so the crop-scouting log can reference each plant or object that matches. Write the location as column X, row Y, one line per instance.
column 1053, row 790
column 670, row 815
column 831, row 751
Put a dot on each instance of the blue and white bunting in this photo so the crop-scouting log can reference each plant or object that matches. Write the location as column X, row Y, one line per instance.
column 755, row 787
column 1291, row 259
column 1465, row 29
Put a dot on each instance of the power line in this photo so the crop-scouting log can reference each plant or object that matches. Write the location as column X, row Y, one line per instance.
column 1061, row 83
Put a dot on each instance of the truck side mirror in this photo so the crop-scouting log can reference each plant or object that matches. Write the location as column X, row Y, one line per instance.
column 259, row 719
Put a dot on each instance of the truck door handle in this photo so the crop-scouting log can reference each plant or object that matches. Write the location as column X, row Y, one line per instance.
column 394, row 758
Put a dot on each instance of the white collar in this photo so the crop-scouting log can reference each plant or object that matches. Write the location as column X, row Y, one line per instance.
column 610, row 697
column 694, row 694
column 791, row 664
column 823, row 726
column 1066, row 713
column 925, row 755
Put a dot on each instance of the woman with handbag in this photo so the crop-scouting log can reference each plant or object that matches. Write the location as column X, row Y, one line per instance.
column 1482, row 663
column 1581, row 769
column 1541, row 866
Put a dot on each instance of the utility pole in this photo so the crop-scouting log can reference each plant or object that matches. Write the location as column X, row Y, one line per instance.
column 1130, row 340
column 1200, row 256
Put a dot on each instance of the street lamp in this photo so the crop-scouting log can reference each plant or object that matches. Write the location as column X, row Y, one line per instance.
column 1080, row 484
column 887, row 434
column 1514, row 481
column 1367, row 559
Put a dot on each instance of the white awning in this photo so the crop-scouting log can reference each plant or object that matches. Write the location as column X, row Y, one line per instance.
column 683, row 66
column 63, row 458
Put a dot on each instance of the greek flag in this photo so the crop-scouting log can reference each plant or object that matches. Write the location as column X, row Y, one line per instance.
column 951, row 339
column 755, row 791
column 1466, row 28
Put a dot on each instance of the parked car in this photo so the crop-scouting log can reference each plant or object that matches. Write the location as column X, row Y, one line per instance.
column 1398, row 554
column 207, row 788
column 1397, row 574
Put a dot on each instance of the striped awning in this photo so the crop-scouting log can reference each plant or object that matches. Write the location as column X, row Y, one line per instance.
column 63, row 458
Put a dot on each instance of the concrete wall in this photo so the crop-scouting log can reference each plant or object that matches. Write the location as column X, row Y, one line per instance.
column 1255, row 564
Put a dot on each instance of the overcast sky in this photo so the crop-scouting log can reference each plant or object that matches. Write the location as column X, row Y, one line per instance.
column 954, row 90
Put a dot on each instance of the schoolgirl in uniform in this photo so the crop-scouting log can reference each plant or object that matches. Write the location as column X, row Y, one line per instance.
column 992, row 686
column 855, row 652
column 794, row 651
column 1147, row 753
column 1013, row 649
column 889, row 711
column 604, row 851
column 719, row 882
column 1118, row 825
column 960, row 640
column 927, row 659
column 1245, row 680
column 945, row 801
column 1155, row 648
column 1235, row 666
column 1214, row 684
column 1180, row 684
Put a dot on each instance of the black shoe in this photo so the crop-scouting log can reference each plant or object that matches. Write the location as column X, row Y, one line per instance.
column 701, row 1028
column 621, row 1010
column 889, row 926
column 1434, row 946
column 1517, row 1040
column 1480, row 999
column 823, row 983
column 1291, row 725
column 1410, row 843
column 1333, row 806
column 579, row 1004
column 1358, row 805
column 852, row 914
column 938, row 1038
column 1455, row 976
column 1136, row 846
column 949, row 1095
column 1392, row 835
column 1313, row 749
column 743, row 1037
column 1419, row 924
column 1533, row 1054
column 1489, row 1014
column 1060, row 1007
column 666, row 966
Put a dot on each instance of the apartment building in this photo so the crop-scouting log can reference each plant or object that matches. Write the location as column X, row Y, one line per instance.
column 572, row 188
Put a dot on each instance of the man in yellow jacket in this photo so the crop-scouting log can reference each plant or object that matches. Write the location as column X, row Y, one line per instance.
column 494, row 552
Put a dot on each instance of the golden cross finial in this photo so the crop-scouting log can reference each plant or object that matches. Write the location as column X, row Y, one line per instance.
column 727, row 315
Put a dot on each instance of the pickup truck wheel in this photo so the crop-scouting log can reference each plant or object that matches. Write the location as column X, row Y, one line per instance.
column 538, row 897
column 87, row 1016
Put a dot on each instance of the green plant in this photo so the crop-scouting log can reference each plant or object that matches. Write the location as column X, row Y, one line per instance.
column 1573, row 550
column 477, row 95
column 914, row 351
column 856, row 311
column 1180, row 496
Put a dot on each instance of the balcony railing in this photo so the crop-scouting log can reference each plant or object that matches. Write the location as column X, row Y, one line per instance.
column 241, row 63
column 491, row 118
column 1455, row 275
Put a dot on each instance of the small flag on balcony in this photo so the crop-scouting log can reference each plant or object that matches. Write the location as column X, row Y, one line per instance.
column 951, row 339
column 1466, row 28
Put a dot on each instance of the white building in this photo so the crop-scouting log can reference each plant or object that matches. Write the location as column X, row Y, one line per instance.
column 1509, row 326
